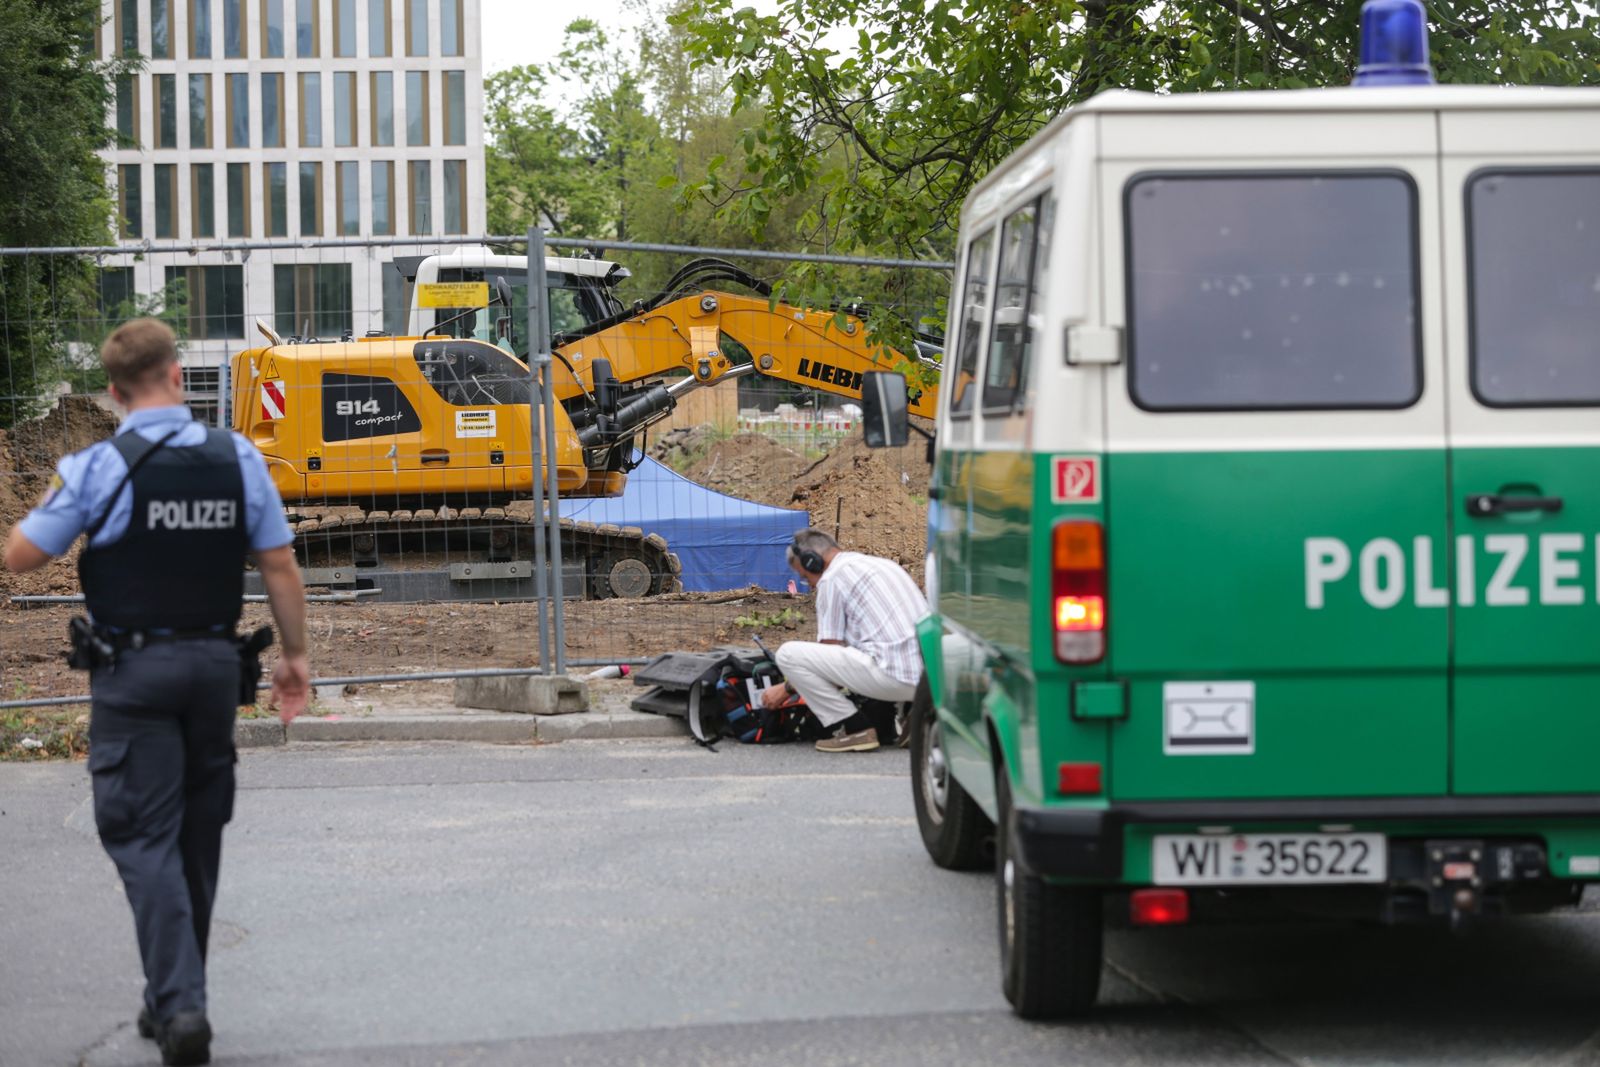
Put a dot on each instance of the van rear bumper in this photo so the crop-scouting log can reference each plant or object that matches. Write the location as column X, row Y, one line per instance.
column 1087, row 843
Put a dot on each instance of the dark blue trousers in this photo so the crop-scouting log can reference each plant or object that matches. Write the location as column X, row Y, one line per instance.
column 161, row 759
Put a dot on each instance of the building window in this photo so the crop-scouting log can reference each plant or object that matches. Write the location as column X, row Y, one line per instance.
column 215, row 300
column 395, row 299
column 166, row 200
column 128, row 109
column 202, row 391
column 199, row 111
column 130, row 193
column 455, row 196
column 272, row 29
column 455, row 107
column 380, row 27
column 383, row 198
column 421, row 198
column 416, row 27
column 272, row 111
column 166, row 111
column 116, row 292
column 450, row 12
column 199, row 29
column 312, row 300
column 310, row 199
column 382, row 105
column 344, row 108
column 202, row 200
column 344, row 28
column 126, row 13
column 238, row 111
column 311, row 110
column 416, row 107
column 160, row 29
column 238, row 200
column 307, row 29
column 277, row 204
column 234, row 45
column 347, row 191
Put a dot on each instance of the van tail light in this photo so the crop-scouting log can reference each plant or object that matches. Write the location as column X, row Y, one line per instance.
column 1078, row 779
column 1078, row 591
column 1158, row 907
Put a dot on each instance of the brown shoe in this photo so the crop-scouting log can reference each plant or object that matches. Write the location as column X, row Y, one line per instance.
column 860, row 741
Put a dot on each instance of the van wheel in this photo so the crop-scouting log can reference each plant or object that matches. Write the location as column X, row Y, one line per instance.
column 1050, row 935
column 953, row 827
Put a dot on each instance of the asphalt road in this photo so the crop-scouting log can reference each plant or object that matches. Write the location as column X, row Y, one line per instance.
column 649, row 903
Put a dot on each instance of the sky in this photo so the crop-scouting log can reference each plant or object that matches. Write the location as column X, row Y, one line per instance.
column 529, row 31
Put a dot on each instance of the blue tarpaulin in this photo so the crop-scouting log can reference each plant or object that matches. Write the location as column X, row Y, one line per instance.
column 723, row 542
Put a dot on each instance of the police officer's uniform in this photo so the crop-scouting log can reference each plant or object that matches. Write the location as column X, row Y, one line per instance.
column 163, row 579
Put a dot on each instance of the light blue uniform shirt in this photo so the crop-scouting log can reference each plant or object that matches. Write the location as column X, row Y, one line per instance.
column 87, row 479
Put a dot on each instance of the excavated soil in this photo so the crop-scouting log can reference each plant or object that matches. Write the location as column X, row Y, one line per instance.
column 28, row 456
column 751, row 466
column 873, row 500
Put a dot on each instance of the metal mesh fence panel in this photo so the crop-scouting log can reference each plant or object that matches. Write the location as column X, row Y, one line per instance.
column 703, row 421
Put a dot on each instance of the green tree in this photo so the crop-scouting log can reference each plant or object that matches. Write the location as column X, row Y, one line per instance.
column 892, row 109
column 536, row 169
column 54, row 98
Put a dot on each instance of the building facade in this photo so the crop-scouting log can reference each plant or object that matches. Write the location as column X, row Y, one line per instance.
column 288, row 121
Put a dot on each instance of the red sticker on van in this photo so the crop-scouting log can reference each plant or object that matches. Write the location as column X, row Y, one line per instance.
column 1076, row 480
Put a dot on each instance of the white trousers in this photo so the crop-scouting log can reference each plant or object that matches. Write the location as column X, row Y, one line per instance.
column 821, row 673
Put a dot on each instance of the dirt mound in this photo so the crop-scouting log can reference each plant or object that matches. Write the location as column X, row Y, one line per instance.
column 28, row 456
column 750, row 466
column 875, row 498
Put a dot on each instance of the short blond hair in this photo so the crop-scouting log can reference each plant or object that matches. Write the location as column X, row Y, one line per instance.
column 137, row 352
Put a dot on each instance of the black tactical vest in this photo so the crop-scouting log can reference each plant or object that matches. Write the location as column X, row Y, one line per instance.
column 180, row 565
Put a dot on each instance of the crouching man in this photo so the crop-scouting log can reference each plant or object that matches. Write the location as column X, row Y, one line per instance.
column 867, row 614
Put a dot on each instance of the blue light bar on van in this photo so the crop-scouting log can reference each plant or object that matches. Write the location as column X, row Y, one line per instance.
column 1394, row 44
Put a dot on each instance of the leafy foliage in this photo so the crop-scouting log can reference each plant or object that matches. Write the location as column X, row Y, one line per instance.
column 54, row 96
column 889, row 111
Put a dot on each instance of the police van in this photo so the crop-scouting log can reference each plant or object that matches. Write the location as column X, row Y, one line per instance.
column 1265, row 545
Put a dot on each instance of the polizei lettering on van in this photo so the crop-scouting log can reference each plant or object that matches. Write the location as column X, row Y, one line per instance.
column 193, row 514
column 827, row 372
column 1387, row 572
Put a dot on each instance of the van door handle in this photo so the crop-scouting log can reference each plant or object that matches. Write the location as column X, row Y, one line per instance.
column 436, row 457
column 1481, row 505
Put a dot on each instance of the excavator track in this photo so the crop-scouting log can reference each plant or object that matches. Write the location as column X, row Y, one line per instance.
column 618, row 561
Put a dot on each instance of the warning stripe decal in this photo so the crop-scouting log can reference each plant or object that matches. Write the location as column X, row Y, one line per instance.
column 272, row 399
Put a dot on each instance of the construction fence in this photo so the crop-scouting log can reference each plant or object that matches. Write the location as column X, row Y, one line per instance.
column 414, row 472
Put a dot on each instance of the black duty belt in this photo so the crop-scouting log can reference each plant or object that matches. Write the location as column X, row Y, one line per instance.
column 125, row 640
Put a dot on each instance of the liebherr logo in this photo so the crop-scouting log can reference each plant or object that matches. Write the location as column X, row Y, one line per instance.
column 827, row 372
column 1386, row 573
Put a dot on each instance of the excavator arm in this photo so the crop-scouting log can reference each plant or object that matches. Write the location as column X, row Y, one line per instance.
column 821, row 349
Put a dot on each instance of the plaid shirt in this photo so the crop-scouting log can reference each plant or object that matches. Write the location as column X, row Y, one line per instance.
column 872, row 604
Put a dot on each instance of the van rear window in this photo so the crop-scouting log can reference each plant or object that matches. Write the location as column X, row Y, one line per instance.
column 1288, row 291
column 1535, row 287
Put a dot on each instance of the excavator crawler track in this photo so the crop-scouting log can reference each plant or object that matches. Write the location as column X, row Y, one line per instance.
column 618, row 561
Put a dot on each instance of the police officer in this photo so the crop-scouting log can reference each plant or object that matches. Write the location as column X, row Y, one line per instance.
column 171, row 509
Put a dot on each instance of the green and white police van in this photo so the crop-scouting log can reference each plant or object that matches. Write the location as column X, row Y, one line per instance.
column 1265, row 537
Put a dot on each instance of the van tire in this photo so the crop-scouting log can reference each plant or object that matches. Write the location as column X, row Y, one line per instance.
column 954, row 829
column 1051, row 936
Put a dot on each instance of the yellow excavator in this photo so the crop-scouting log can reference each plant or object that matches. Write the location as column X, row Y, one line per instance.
column 418, row 447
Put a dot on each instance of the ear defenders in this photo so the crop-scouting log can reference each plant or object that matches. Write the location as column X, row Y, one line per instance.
column 812, row 562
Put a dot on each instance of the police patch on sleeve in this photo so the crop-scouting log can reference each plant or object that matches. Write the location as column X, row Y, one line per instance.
column 55, row 486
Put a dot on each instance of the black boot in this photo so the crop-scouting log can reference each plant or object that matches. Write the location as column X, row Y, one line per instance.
column 186, row 1040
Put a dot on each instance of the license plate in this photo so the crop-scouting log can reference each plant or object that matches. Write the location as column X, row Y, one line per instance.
column 1269, row 859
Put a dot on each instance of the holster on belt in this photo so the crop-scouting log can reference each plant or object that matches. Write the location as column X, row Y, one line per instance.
column 250, row 648
column 89, row 649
